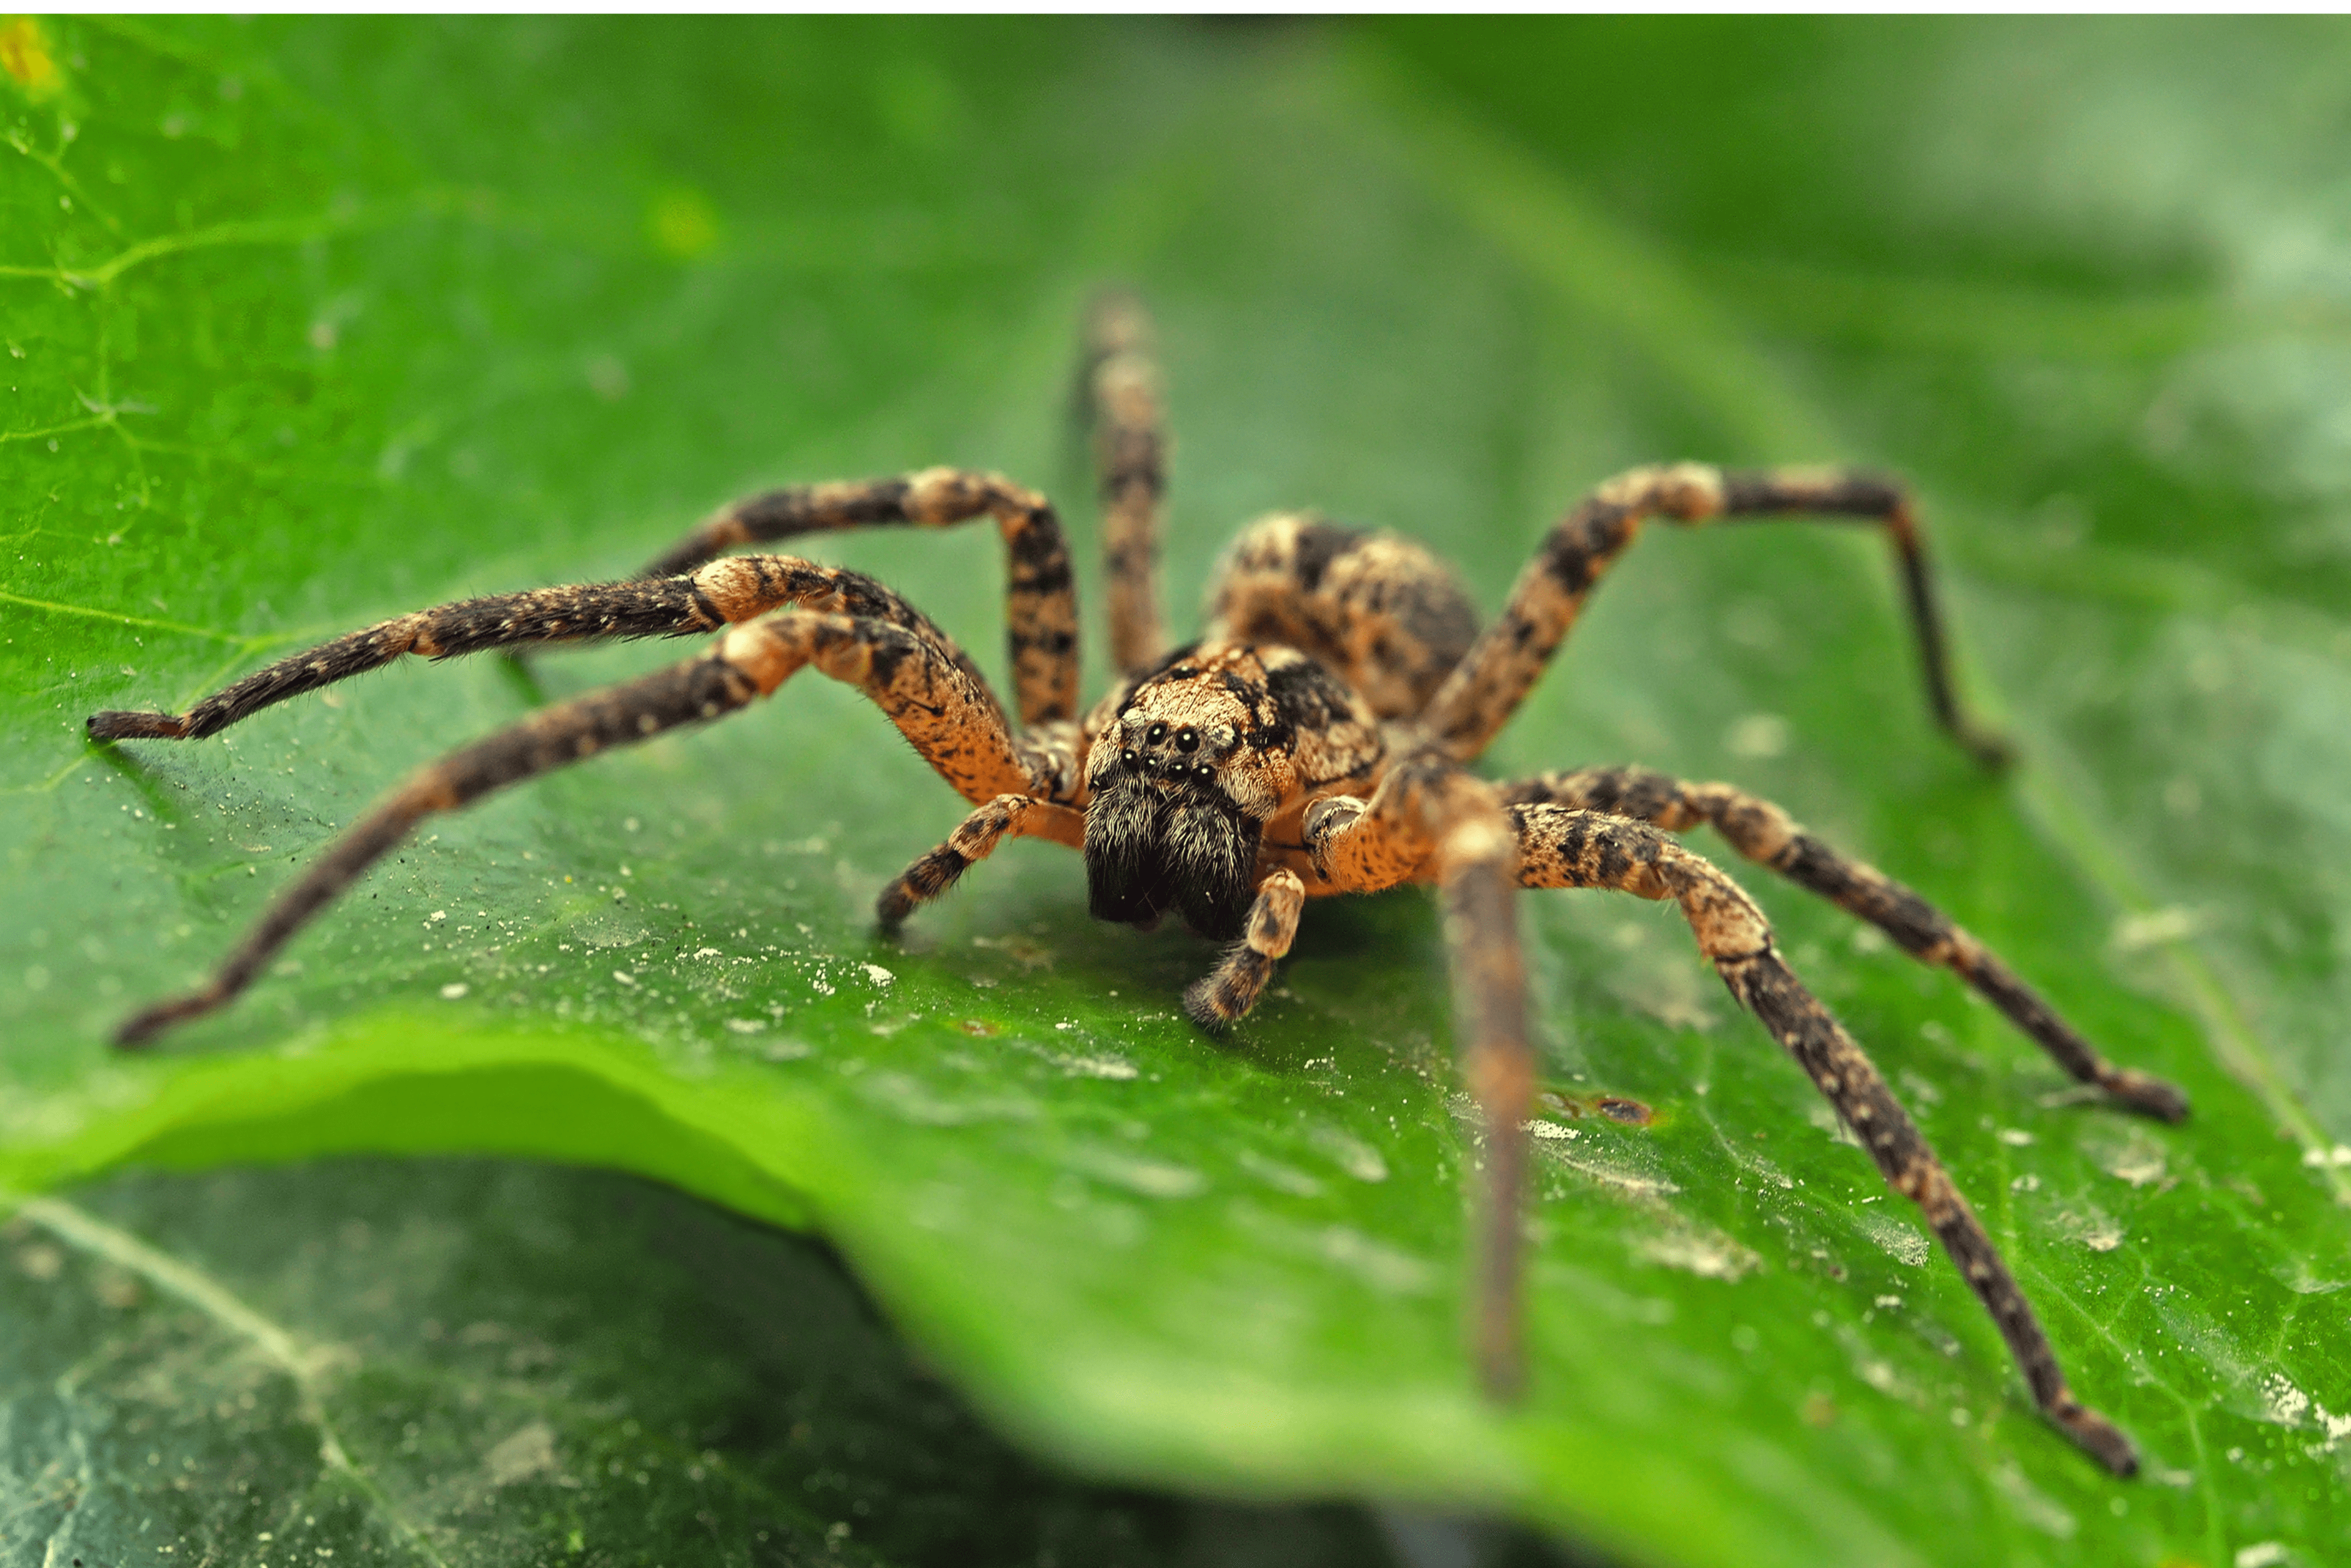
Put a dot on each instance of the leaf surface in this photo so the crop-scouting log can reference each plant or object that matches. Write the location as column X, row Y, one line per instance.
column 310, row 324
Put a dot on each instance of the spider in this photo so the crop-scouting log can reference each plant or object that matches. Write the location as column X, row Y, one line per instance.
column 1317, row 739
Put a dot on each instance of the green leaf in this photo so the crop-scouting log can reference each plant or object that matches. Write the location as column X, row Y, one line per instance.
column 463, row 1362
column 329, row 320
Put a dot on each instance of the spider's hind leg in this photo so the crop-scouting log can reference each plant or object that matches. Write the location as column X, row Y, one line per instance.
column 1765, row 834
column 1560, row 846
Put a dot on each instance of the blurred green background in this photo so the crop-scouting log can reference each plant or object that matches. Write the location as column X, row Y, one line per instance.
column 311, row 322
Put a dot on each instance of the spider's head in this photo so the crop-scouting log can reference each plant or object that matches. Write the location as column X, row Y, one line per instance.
column 1181, row 785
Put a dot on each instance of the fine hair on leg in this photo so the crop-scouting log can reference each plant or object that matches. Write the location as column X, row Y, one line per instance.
column 714, row 595
column 1125, row 408
column 1767, row 835
column 1229, row 992
column 696, row 689
column 1430, row 821
column 1005, row 816
column 1040, row 591
column 1560, row 846
column 1487, row 687
column 952, row 721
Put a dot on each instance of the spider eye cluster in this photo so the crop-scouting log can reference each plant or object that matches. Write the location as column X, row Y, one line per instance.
column 1161, row 835
column 1165, row 752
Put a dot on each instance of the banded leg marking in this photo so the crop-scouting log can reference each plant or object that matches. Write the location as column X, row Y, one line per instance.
column 1231, row 990
column 689, row 692
column 957, row 729
column 1560, row 846
column 1767, row 835
column 1129, row 420
column 1487, row 686
column 1005, row 816
column 1428, row 819
column 717, row 593
column 1040, row 595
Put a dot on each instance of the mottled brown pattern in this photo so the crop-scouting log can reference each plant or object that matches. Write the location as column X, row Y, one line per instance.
column 1122, row 394
column 1767, row 835
column 1563, row 846
column 1487, row 687
column 717, row 593
column 1386, row 615
column 1005, row 816
column 696, row 689
column 1314, row 742
column 1040, row 592
column 1231, row 990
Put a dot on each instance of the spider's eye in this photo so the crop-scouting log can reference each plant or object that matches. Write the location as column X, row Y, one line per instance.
column 1204, row 772
column 1188, row 739
column 1157, row 733
column 1127, row 756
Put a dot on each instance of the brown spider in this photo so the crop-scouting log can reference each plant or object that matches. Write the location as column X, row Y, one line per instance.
column 1315, row 740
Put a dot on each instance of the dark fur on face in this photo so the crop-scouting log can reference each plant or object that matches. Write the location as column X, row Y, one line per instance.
column 1151, row 848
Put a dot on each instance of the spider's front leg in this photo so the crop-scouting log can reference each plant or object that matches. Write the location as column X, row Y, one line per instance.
column 1429, row 821
column 1040, row 607
column 702, row 594
column 919, row 681
column 1488, row 685
column 1016, row 816
column 1560, row 846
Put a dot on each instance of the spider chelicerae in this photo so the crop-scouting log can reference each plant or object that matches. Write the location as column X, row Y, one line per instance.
column 1316, row 740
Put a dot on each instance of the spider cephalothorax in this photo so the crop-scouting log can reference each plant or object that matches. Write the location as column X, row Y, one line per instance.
column 1317, row 740
column 1199, row 757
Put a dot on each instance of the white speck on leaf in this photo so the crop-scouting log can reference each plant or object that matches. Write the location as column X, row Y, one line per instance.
column 526, row 1453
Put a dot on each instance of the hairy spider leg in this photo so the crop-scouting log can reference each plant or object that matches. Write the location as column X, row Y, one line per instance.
column 1428, row 819
column 1480, row 696
column 1040, row 602
column 1124, row 405
column 1005, row 816
column 1226, row 994
column 722, row 592
column 951, row 719
column 1767, row 835
column 1561, row 846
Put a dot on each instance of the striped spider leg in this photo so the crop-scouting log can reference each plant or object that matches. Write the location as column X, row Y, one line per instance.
column 783, row 614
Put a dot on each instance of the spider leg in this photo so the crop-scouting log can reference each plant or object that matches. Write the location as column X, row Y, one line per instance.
column 1430, row 821
column 1040, row 597
column 1124, row 404
column 1767, row 836
column 1227, row 993
column 719, row 593
column 1560, row 846
column 1487, row 687
column 952, row 721
column 1005, row 816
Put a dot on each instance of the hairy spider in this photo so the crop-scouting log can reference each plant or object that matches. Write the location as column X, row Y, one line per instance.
column 1316, row 740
